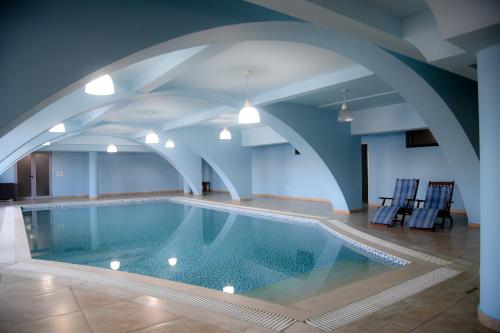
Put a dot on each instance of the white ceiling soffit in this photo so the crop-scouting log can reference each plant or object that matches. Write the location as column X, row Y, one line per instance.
column 407, row 27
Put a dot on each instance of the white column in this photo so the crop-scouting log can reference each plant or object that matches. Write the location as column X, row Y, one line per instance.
column 93, row 182
column 488, row 74
column 187, row 188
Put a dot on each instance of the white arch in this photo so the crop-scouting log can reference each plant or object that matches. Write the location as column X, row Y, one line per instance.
column 456, row 147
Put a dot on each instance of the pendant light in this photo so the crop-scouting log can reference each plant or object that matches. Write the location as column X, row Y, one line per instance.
column 170, row 144
column 59, row 128
column 248, row 114
column 112, row 148
column 344, row 115
column 101, row 86
column 225, row 134
column 152, row 137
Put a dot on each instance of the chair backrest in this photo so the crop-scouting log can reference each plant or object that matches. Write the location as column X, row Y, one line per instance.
column 439, row 195
column 405, row 189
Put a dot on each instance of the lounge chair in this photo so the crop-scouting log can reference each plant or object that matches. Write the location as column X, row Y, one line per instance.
column 437, row 204
column 401, row 203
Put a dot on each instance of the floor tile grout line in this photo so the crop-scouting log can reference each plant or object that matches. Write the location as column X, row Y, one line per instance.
column 81, row 309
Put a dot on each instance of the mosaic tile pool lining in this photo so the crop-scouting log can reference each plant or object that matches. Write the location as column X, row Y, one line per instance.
column 275, row 216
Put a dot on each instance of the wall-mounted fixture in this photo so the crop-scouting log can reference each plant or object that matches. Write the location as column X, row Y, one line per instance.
column 101, row 86
column 248, row 114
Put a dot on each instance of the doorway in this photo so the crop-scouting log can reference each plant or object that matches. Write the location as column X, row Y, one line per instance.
column 33, row 175
column 364, row 173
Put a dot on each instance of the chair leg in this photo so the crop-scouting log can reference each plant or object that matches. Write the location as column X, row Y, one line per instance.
column 451, row 221
column 442, row 222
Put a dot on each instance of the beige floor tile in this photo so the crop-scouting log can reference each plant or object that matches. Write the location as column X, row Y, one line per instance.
column 302, row 328
column 90, row 299
column 189, row 312
column 201, row 327
column 176, row 326
column 7, row 278
column 28, row 288
column 68, row 323
column 124, row 316
column 14, row 311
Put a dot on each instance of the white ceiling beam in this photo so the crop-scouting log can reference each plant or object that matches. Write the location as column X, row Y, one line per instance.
column 311, row 85
column 161, row 74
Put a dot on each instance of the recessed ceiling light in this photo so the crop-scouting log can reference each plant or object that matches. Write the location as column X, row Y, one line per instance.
column 46, row 143
column 101, row 86
column 172, row 261
column 59, row 128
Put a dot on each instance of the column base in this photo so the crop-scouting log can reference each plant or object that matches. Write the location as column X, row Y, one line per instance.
column 488, row 321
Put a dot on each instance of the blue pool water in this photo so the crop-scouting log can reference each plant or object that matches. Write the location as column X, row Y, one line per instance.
column 206, row 247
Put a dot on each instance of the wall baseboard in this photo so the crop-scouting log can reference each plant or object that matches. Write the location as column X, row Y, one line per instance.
column 453, row 211
column 289, row 197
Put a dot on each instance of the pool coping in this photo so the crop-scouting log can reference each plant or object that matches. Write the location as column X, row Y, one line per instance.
column 288, row 314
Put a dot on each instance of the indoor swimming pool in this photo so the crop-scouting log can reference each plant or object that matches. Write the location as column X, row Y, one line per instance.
column 278, row 260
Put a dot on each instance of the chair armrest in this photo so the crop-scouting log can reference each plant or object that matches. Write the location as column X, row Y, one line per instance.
column 419, row 201
column 410, row 203
column 384, row 199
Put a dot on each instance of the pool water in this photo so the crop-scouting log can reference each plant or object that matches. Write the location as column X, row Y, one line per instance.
column 259, row 257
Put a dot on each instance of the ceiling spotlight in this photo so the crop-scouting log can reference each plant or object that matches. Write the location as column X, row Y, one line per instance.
column 46, row 143
column 170, row 144
column 225, row 134
column 344, row 115
column 59, row 128
column 101, row 86
column 152, row 137
column 248, row 114
column 111, row 149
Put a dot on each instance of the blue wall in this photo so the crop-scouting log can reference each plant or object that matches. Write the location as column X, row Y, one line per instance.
column 75, row 173
column 118, row 173
column 388, row 159
column 136, row 172
column 277, row 170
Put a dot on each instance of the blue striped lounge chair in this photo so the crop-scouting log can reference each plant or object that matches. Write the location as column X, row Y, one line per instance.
column 401, row 202
column 437, row 204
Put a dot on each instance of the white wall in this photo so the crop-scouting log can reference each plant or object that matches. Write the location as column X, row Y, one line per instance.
column 388, row 159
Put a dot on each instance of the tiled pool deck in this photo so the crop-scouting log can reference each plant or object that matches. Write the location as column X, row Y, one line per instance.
column 35, row 302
